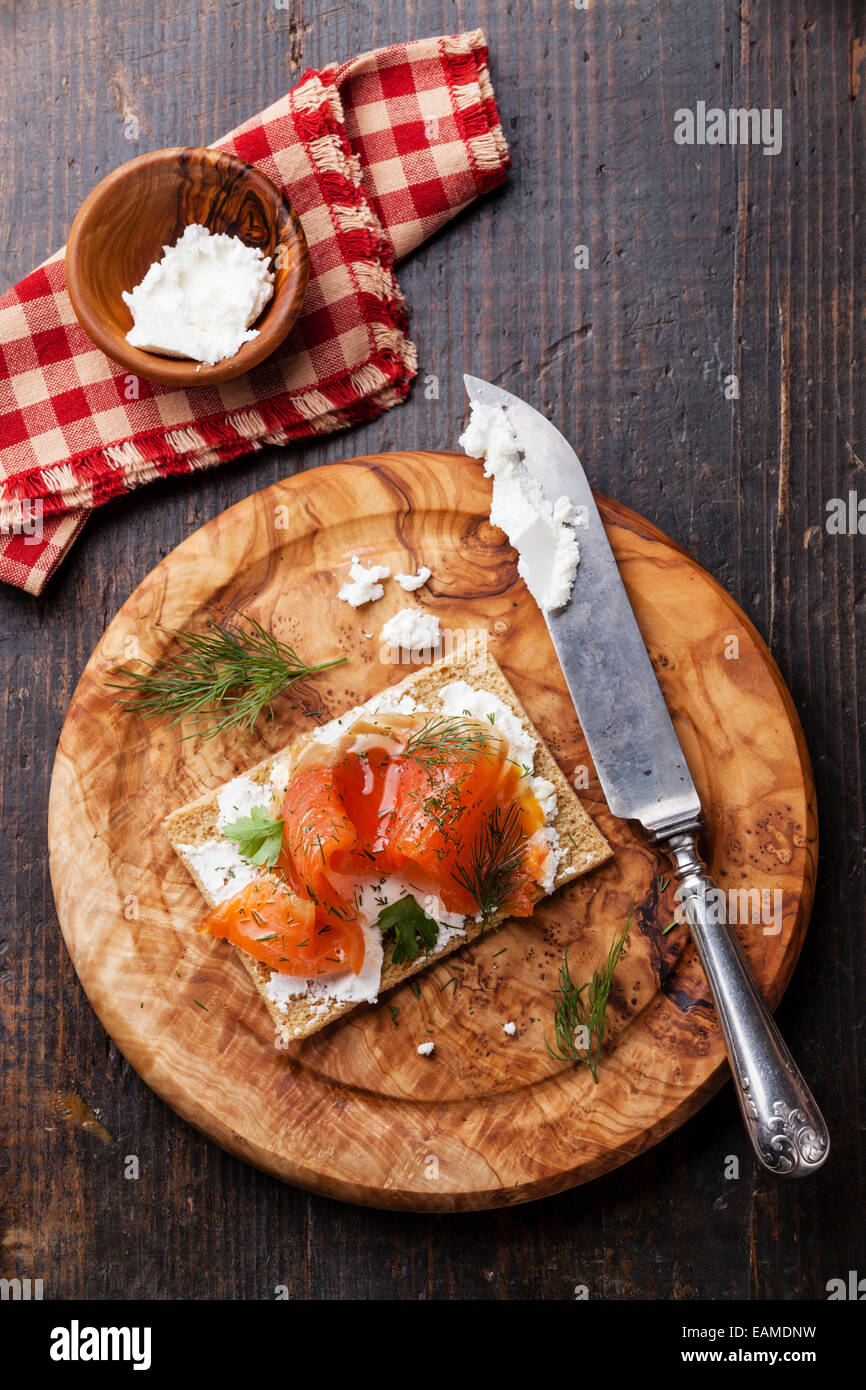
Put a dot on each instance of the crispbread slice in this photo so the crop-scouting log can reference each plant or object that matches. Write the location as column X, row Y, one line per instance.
column 583, row 845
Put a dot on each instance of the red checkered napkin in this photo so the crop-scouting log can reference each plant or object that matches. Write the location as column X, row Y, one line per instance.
column 376, row 155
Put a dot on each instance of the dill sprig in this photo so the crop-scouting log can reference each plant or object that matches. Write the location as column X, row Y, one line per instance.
column 222, row 678
column 495, row 863
column 578, row 1021
column 449, row 738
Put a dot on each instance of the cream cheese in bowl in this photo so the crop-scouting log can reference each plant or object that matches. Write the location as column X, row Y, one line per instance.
column 200, row 300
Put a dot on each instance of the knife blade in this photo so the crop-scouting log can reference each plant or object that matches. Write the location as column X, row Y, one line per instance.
column 645, row 777
column 621, row 709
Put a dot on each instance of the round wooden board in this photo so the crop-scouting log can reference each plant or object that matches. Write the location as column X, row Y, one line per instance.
column 355, row 1112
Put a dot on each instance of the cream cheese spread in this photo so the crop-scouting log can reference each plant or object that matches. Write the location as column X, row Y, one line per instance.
column 218, row 863
column 223, row 870
column 344, row 987
column 200, row 299
column 542, row 532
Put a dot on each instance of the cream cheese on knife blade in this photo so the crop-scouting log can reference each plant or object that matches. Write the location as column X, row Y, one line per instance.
column 542, row 532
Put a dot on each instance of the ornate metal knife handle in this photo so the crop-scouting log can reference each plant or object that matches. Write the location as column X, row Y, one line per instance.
column 782, row 1120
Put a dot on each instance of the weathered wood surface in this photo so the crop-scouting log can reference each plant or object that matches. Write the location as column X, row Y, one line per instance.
column 701, row 263
column 356, row 1112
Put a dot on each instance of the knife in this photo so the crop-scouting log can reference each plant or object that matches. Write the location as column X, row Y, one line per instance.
column 645, row 778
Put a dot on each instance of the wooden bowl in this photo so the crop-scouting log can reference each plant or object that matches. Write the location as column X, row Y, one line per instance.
column 121, row 228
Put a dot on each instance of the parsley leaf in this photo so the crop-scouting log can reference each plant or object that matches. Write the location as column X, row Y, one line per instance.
column 413, row 930
column 258, row 838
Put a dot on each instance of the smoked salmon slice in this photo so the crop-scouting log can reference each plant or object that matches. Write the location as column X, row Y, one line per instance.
column 317, row 829
column 418, row 804
column 434, row 800
column 276, row 926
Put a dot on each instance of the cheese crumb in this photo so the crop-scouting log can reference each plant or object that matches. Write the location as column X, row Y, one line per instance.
column 510, row 1029
column 413, row 631
column 363, row 586
column 426, row 1049
column 411, row 582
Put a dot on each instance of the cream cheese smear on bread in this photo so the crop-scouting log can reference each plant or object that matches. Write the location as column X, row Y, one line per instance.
column 225, row 870
column 384, row 839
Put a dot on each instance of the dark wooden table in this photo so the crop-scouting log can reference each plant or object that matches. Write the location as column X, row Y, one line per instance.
column 704, row 262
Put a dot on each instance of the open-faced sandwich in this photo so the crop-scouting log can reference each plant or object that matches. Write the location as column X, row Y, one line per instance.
column 383, row 840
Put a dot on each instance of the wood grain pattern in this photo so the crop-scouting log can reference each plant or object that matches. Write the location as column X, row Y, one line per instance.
column 355, row 1112
column 123, row 225
column 700, row 262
